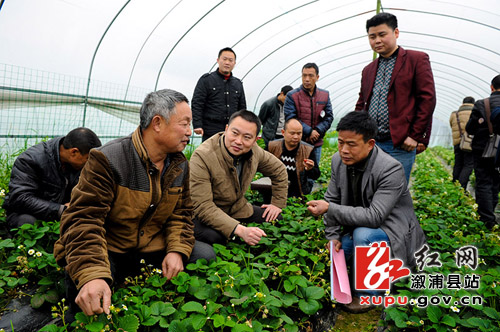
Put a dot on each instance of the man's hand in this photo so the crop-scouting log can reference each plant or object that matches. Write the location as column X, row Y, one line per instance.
column 314, row 136
column 251, row 235
column 336, row 244
column 172, row 265
column 421, row 148
column 308, row 164
column 409, row 144
column 198, row 131
column 317, row 207
column 90, row 296
column 271, row 212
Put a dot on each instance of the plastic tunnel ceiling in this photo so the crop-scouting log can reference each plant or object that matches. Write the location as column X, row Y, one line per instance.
column 115, row 51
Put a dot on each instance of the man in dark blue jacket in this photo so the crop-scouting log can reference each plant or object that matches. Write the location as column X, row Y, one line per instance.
column 312, row 107
column 487, row 177
column 43, row 176
column 217, row 96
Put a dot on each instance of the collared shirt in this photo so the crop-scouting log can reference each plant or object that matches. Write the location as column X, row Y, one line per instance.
column 378, row 108
column 355, row 174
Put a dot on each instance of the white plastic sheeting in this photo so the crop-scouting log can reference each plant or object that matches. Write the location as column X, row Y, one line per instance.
column 156, row 44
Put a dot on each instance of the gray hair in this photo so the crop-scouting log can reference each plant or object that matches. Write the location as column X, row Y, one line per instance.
column 161, row 103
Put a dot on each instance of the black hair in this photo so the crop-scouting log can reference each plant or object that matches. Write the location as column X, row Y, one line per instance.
column 286, row 89
column 247, row 116
column 81, row 138
column 496, row 82
column 382, row 18
column 311, row 65
column 468, row 100
column 227, row 49
column 360, row 123
column 288, row 121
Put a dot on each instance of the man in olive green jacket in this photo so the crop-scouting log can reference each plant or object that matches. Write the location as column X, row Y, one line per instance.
column 222, row 169
column 132, row 203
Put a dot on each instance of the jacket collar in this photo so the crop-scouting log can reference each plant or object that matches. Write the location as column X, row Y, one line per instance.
column 225, row 153
column 307, row 91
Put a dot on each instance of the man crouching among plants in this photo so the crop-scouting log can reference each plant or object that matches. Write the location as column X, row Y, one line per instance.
column 367, row 199
column 132, row 203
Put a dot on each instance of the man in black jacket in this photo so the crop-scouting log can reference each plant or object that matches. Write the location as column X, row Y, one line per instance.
column 43, row 176
column 272, row 116
column 487, row 177
column 217, row 96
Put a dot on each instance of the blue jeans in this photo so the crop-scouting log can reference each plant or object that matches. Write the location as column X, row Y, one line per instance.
column 362, row 236
column 317, row 153
column 404, row 157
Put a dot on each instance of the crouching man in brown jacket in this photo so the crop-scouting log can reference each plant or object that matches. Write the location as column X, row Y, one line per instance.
column 222, row 169
column 132, row 203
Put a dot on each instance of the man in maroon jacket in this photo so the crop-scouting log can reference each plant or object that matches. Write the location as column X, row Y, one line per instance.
column 397, row 90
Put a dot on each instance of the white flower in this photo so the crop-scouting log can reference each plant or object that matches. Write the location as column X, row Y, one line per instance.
column 124, row 307
column 387, row 292
column 455, row 309
column 413, row 301
column 142, row 261
column 421, row 322
column 38, row 254
column 20, row 247
column 31, row 252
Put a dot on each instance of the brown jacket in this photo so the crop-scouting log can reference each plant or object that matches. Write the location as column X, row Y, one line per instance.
column 304, row 152
column 122, row 204
column 464, row 115
column 218, row 197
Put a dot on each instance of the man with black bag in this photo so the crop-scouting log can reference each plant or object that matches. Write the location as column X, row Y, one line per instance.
column 487, row 177
column 462, row 142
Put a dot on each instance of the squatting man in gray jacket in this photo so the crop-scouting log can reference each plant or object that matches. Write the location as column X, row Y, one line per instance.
column 367, row 199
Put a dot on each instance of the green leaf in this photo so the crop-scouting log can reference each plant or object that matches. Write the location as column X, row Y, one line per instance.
column 193, row 306
column 152, row 320
column 46, row 281
column 474, row 321
column 218, row 320
column 492, row 313
column 448, row 320
column 288, row 286
column 434, row 313
column 50, row 328
column 129, row 323
column 291, row 328
column 37, row 300
column 198, row 321
column 51, row 296
column 314, row 292
column 286, row 319
column 175, row 326
column 289, row 299
column 95, row 326
column 309, row 306
column 164, row 323
column 162, row 309
column 81, row 317
column 239, row 301
column 241, row 328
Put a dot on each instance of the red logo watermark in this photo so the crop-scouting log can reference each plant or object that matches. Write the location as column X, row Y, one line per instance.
column 374, row 268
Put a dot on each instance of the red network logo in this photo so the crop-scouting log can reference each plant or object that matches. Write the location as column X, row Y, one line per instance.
column 375, row 270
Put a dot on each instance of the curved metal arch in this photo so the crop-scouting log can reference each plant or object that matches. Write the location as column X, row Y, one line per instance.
column 182, row 37
column 446, row 15
column 144, row 44
column 93, row 59
column 265, row 23
column 471, row 88
column 296, row 61
column 300, row 36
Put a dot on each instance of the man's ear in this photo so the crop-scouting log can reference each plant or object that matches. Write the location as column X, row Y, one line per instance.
column 371, row 142
column 156, row 123
column 74, row 151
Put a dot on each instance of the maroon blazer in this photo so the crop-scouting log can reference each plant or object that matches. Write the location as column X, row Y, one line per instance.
column 411, row 98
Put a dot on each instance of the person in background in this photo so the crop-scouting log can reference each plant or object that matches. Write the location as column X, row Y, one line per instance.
column 272, row 116
column 217, row 95
column 464, row 162
column 298, row 158
column 43, row 176
column 312, row 107
column 397, row 90
column 487, row 176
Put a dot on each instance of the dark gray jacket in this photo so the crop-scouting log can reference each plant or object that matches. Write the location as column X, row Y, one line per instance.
column 38, row 186
column 269, row 115
column 387, row 204
column 480, row 130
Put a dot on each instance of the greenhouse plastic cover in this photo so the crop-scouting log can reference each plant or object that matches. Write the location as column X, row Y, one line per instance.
column 113, row 52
